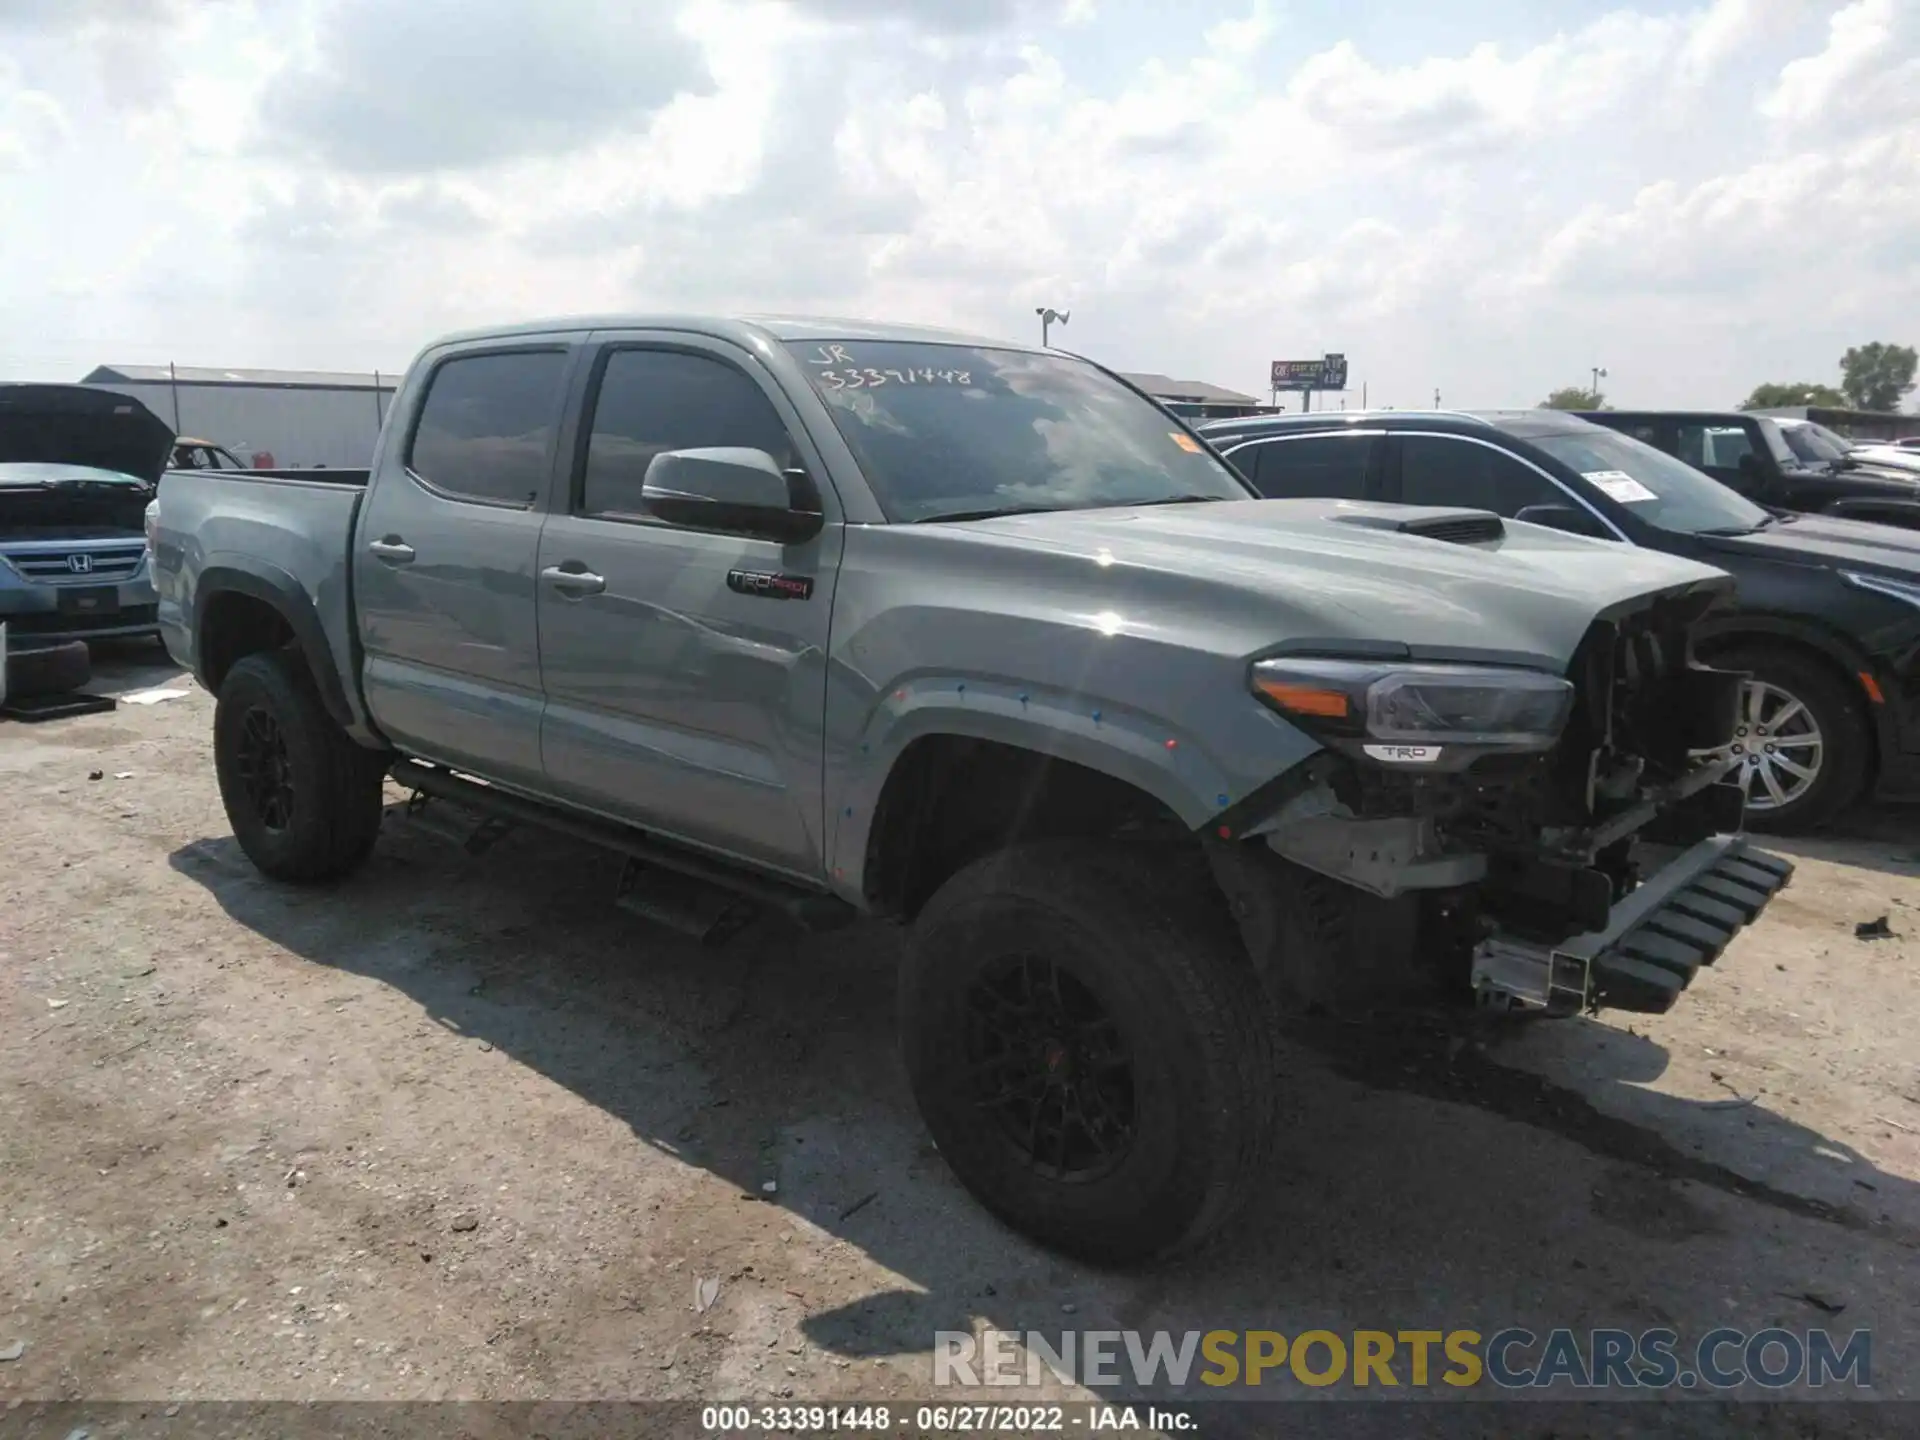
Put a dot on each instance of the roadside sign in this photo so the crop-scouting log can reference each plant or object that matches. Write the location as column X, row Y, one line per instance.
column 1327, row 373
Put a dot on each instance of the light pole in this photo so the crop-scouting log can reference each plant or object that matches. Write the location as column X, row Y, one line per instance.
column 1050, row 317
column 1599, row 374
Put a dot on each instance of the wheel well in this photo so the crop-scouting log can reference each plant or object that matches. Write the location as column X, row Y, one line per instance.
column 235, row 626
column 951, row 799
column 1835, row 668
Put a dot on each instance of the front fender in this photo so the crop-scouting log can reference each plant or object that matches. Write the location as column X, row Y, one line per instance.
column 1145, row 751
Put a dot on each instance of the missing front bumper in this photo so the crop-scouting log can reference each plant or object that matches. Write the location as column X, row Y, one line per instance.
column 1679, row 919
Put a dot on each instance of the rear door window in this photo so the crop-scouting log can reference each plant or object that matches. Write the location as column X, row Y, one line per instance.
column 1711, row 447
column 486, row 429
column 1309, row 467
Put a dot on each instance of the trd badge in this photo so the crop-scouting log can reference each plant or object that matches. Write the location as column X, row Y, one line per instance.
column 771, row 587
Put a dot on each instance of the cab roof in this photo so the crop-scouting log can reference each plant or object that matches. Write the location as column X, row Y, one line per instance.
column 745, row 329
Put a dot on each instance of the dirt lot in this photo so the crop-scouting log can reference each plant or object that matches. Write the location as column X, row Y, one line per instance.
column 460, row 1129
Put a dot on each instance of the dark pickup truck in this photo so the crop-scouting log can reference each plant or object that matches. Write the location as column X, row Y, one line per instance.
column 1753, row 455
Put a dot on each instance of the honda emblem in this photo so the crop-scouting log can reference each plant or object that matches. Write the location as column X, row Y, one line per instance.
column 80, row 564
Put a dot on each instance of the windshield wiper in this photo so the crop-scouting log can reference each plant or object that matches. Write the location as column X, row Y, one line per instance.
column 994, row 514
column 1165, row 500
column 1049, row 509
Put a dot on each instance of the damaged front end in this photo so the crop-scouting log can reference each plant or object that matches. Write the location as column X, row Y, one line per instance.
column 1538, row 842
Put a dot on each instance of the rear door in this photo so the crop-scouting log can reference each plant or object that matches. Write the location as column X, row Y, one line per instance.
column 681, row 695
column 1329, row 465
column 444, row 575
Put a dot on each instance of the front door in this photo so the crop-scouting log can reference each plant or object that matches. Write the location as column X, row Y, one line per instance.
column 444, row 570
column 685, row 692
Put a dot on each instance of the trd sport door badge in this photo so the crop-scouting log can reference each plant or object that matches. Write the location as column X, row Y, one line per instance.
column 770, row 586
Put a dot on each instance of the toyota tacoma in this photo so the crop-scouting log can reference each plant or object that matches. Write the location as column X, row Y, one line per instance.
column 841, row 619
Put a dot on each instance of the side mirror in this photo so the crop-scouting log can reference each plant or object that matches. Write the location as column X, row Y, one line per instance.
column 1570, row 518
column 734, row 490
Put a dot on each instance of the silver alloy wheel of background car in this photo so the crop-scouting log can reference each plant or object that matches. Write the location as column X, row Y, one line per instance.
column 1779, row 744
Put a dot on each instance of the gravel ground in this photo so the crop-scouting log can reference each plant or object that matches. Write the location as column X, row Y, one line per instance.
column 460, row 1129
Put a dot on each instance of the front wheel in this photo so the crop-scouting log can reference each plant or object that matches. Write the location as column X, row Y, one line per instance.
column 1801, row 740
column 1089, row 1046
column 304, row 800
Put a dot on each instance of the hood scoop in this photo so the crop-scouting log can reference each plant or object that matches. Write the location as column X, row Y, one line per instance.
column 1456, row 527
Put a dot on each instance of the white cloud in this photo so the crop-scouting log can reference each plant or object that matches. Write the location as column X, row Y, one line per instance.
column 332, row 184
column 1869, row 70
column 32, row 125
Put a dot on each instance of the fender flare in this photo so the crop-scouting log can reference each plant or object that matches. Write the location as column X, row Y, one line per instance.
column 275, row 587
column 1128, row 746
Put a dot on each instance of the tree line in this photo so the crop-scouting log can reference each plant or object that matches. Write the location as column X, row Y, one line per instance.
column 1877, row 376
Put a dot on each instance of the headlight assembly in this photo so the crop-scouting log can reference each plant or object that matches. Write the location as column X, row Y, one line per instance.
column 1406, row 706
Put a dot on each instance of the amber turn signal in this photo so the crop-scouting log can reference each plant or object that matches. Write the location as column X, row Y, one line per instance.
column 1299, row 699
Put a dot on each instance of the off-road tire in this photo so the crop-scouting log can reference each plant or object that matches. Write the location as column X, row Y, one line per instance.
column 57, row 669
column 1846, row 735
column 1148, row 935
column 332, row 785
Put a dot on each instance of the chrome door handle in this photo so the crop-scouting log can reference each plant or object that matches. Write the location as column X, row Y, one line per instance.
column 394, row 552
column 574, row 582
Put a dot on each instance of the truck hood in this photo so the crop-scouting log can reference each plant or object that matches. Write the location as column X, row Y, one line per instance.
column 78, row 426
column 1318, row 567
column 1828, row 540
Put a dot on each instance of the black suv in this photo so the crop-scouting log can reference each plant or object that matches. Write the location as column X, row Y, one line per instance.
column 1755, row 455
column 1827, row 615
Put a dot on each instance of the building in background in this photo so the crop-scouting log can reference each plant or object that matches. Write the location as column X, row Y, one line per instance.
column 300, row 417
column 1195, row 399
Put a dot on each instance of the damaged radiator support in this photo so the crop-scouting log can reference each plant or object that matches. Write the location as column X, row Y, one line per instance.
column 1678, row 919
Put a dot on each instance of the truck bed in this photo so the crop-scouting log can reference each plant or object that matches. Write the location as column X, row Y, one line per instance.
column 322, row 475
column 295, row 534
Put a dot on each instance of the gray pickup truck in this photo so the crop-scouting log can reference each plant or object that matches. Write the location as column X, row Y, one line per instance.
column 836, row 619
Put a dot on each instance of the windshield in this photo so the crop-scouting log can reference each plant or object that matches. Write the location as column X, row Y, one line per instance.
column 1652, row 485
column 1808, row 443
column 1776, row 442
column 1833, row 439
column 946, row 431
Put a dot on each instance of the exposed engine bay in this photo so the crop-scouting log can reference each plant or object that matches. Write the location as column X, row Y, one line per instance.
column 1489, row 860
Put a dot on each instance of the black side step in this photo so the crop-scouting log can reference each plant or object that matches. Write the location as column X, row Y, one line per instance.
column 810, row 909
column 695, row 908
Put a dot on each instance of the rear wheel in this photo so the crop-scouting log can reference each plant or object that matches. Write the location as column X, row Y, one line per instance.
column 1089, row 1046
column 1801, row 740
column 304, row 800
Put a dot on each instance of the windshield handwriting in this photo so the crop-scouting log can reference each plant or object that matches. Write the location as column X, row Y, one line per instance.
column 856, row 377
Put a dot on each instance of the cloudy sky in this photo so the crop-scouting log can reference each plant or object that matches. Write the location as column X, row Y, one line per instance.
column 1483, row 196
